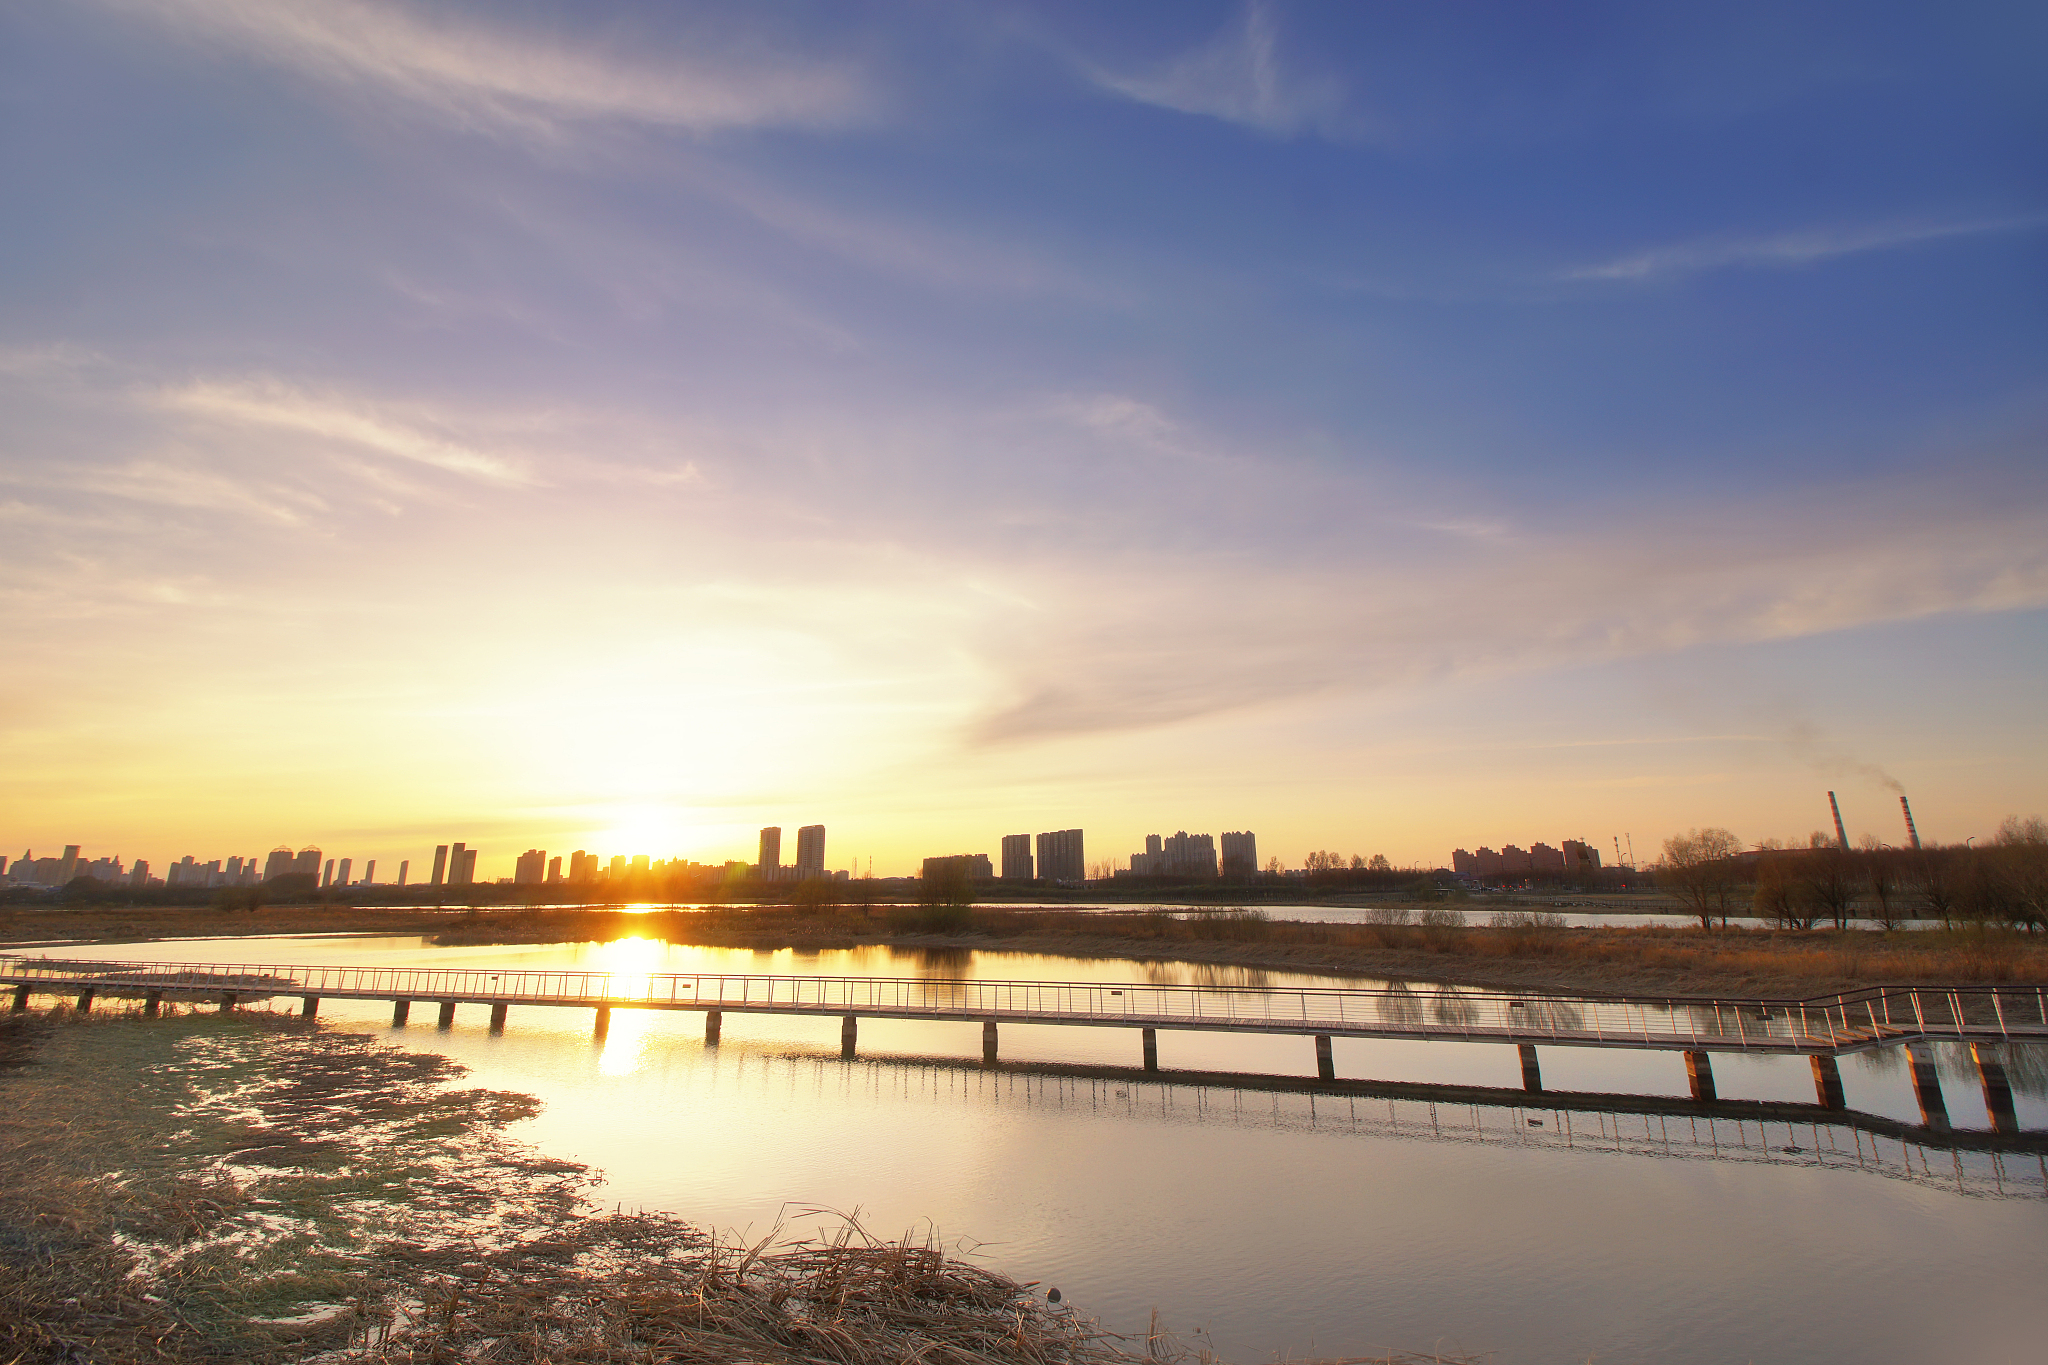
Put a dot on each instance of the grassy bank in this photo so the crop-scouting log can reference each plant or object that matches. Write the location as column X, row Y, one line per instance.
column 1527, row 953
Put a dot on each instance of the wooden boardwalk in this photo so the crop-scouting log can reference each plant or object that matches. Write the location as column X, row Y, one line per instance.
column 1821, row 1028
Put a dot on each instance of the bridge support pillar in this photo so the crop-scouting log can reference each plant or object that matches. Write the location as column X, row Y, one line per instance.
column 603, row 1025
column 309, row 1007
column 849, row 1036
column 1532, row 1074
column 1997, row 1090
column 227, row 1002
column 84, row 1002
column 20, row 999
column 1326, row 1064
column 152, row 1004
column 1927, row 1087
column 1151, row 1049
column 447, row 1019
column 713, row 1021
column 1699, row 1072
column 1827, row 1082
column 988, row 1042
column 498, row 1017
column 400, row 1011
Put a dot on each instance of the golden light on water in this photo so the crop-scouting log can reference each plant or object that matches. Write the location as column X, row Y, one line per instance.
column 632, row 963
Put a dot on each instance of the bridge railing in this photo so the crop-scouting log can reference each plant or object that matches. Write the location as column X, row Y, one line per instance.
column 1421, row 1011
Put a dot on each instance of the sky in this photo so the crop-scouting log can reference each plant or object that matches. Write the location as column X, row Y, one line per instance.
column 1383, row 427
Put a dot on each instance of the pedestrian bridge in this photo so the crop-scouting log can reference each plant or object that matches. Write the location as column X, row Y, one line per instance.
column 1821, row 1028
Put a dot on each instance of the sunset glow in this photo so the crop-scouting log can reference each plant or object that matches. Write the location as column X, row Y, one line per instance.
column 625, row 428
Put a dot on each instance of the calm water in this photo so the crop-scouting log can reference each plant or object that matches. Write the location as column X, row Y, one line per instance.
column 1277, row 1223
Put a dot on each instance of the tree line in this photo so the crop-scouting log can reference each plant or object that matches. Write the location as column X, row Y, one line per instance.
column 2004, row 882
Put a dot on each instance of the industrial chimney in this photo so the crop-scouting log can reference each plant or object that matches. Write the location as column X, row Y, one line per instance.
column 1841, row 835
column 1911, row 833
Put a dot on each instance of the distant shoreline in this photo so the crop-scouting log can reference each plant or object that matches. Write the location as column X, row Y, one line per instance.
column 1601, row 960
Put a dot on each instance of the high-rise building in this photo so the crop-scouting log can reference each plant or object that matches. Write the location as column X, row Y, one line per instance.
column 555, row 870
column 69, row 867
column 370, row 873
column 582, row 866
column 1189, row 855
column 771, row 853
column 307, row 863
column 461, row 865
column 530, row 867
column 140, row 876
column 279, row 863
column 810, row 851
column 326, row 878
column 404, row 870
column 616, row 870
column 341, row 877
column 1017, row 858
column 1060, row 857
column 1240, row 853
column 440, row 864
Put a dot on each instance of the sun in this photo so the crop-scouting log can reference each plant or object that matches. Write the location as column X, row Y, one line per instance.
column 655, row 830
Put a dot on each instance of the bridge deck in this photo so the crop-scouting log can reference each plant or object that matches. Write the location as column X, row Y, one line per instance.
column 1825, row 1025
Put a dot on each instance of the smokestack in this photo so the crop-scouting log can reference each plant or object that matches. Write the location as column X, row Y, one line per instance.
column 1911, row 833
column 1842, row 835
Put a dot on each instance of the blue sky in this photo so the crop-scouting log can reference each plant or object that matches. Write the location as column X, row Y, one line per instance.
column 647, row 422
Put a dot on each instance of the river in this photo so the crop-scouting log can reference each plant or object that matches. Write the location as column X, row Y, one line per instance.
column 1266, row 1222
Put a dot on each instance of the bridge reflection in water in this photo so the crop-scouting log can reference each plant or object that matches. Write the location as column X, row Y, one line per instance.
column 1974, row 1164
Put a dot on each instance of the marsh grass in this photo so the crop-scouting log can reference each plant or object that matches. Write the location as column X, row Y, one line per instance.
column 1528, row 948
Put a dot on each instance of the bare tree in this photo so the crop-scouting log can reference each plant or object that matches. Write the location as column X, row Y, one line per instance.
column 1378, row 863
column 1881, row 873
column 1699, row 868
column 1829, row 879
column 2021, row 850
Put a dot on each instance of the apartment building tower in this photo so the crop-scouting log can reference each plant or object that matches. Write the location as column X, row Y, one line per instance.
column 1060, row 856
column 1017, row 858
column 810, row 852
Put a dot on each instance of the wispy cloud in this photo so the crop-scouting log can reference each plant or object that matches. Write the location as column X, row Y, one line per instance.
column 492, row 75
column 1374, row 621
column 1790, row 248
column 279, row 406
column 1238, row 77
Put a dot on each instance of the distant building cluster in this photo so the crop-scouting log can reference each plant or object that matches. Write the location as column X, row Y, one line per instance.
column 1056, row 856
column 1182, row 854
column 1575, row 857
column 1061, row 856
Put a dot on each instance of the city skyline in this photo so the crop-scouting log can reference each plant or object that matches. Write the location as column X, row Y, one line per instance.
column 1014, row 856
column 1361, row 425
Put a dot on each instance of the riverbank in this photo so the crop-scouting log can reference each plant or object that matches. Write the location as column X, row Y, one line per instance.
column 249, row 1187
column 1525, row 955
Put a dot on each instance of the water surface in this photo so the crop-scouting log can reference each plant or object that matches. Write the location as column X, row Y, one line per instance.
column 1278, row 1222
